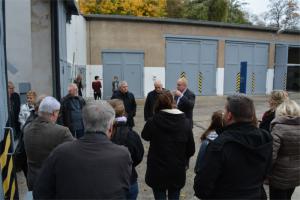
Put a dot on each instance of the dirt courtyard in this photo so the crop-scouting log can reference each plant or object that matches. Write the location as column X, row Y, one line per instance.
column 204, row 107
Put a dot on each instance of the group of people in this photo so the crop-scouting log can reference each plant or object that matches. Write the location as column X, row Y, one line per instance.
column 79, row 149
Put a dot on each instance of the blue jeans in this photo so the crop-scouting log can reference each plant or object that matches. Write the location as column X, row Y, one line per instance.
column 77, row 133
column 133, row 191
column 160, row 194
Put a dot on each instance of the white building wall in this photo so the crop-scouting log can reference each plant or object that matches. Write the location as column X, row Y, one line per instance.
column 76, row 40
column 91, row 72
column 269, row 81
column 150, row 75
column 220, row 81
column 18, row 41
column 76, row 46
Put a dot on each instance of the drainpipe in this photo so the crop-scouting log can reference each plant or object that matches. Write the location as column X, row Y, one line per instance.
column 55, row 49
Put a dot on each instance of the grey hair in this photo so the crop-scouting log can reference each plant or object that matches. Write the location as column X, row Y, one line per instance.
column 97, row 116
column 122, row 83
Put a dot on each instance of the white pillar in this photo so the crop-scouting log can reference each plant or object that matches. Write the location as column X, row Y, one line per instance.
column 220, row 81
column 269, row 81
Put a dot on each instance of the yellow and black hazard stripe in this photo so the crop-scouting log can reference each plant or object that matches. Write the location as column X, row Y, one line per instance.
column 238, row 82
column 182, row 75
column 253, row 83
column 200, row 79
column 9, row 179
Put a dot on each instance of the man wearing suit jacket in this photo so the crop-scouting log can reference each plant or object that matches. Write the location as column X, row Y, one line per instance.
column 41, row 136
column 185, row 99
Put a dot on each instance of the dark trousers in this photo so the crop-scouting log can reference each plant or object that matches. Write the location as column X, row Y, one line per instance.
column 133, row 191
column 77, row 133
column 97, row 95
column 161, row 194
column 276, row 193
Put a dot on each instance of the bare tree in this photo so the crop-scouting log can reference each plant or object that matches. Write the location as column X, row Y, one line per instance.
column 283, row 14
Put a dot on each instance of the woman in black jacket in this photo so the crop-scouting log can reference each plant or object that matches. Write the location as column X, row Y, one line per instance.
column 123, row 135
column 275, row 99
column 171, row 146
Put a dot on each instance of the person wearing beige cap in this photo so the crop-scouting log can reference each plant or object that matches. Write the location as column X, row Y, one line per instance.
column 42, row 135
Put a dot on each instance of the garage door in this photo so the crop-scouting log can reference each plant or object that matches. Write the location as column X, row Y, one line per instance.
column 280, row 72
column 256, row 57
column 128, row 66
column 195, row 60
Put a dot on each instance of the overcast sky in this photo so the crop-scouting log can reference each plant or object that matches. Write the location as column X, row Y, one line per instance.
column 256, row 6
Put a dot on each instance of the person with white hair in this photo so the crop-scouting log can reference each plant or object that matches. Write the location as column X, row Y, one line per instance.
column 151, row 99
column 185, row 99
column 41, row 136
column 71, row 111
column 92, row 167
column 285, row 173
column 128, row 100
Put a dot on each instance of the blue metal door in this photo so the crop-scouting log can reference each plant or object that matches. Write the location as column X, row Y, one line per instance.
column 128, row 66
column 193, row 59
column 256, row 57
column 232, row 69
column 281, row 60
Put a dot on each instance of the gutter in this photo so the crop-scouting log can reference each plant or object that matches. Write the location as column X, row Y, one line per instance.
column 55, row 50
column 99, row 17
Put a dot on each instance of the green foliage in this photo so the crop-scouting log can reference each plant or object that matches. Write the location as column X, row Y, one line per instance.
column 213, row 10
column 217, row 10
column 175, row 8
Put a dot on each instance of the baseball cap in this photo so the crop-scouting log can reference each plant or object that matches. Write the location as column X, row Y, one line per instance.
column 49, row 105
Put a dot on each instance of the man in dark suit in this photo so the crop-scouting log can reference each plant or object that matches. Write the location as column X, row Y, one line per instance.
column 151, row 99
column 185, row 99
column 91, row 167
column 41, row 136
column 128, row 100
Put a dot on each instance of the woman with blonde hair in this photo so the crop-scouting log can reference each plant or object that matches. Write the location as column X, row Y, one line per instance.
column 285, row 174
column 275, row 99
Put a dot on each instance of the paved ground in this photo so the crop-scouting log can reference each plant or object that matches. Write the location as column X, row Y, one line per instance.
column 202, row 112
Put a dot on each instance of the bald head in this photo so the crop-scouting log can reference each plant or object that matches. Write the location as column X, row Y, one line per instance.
column 73, row 89
column 158, row 86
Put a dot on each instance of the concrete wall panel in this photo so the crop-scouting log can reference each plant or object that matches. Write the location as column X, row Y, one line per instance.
column 41, row 47
column 150, row 37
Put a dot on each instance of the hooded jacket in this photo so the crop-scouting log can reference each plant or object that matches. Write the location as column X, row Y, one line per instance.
column 235, row 164
column 171, row 145
column 129, row 138
column 286, row 152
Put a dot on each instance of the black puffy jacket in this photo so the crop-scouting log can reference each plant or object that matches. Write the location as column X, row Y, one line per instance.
column 235, row 164
column 129, row 138
column 171, row 146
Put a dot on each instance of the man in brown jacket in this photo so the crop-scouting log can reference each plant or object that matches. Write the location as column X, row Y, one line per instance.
column 41, row 136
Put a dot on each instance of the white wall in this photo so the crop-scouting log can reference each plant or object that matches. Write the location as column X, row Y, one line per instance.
column 91, row 72
column 150, row 75
column 220, row 81
column 18, row 41
column 76, row 46
column 76, row 40
column 269, row 81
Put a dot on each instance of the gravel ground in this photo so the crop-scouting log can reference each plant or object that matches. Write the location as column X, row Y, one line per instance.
column 202, row 113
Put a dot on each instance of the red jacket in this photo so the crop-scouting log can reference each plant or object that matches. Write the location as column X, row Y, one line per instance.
column 96, row 85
